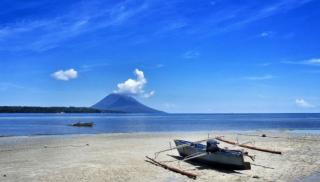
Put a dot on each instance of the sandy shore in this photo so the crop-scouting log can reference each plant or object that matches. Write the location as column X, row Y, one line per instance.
column 120, row 157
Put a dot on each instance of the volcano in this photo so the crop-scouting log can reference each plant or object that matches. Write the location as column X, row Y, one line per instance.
column 123, row 103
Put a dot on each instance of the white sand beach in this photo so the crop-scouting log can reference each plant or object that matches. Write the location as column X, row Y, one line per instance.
column 121, row 157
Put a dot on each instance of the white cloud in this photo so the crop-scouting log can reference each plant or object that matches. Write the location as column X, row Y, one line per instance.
column 51, row 32
column 149, row 94
column 159, row 66
column 169, row 105
column 266, row 34
column 264, row 64
column 213, row 3
column 303, row 103
column 154, row 66
column 191, row 54
column 311, row 62
column 135, row 86
column 54, row 31
column 4, row 86
column 91, row 67
column 65, row 75
column 264, row 77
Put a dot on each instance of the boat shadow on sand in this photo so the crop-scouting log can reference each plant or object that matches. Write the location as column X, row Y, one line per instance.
column 203, row 166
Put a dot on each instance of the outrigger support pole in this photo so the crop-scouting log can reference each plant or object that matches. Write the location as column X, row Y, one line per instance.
column 190, row 175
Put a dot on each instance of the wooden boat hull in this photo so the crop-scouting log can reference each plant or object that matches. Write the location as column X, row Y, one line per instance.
column 80, row 124
column 231, row 159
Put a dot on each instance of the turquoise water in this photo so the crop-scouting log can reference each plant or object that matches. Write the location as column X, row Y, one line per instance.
column 57, row 124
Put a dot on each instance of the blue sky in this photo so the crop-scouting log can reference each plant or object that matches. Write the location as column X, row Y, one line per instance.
column 177, row 56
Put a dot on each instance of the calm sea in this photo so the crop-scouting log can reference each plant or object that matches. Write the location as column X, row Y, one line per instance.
column 57, row 124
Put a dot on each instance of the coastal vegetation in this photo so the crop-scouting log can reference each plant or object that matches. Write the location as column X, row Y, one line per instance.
column 113, row 103
column 33, row 109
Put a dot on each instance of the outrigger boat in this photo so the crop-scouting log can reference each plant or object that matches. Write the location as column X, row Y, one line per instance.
column 212, row 155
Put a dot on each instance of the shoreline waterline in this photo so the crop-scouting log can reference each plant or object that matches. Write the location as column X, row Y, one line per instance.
column 205, row 132
column 51, row 124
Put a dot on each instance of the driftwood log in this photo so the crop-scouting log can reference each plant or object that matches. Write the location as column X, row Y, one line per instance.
column 190, row 175
column 248, row 146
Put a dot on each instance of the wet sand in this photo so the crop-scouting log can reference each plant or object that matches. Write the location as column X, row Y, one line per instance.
column 121, row 157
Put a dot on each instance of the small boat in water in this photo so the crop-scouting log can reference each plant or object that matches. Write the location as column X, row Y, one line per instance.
column 82, row 124
column 212, row 155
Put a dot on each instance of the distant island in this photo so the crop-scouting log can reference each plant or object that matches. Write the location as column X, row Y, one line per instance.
column 113, row 103
column 32, row 109
column 124, row 103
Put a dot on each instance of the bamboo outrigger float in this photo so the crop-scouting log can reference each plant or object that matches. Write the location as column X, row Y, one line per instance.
column 248, row 146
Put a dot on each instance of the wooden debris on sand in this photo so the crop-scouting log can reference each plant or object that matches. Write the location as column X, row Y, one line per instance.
column 190, row 175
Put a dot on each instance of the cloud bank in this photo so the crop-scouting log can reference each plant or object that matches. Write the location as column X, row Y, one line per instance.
column 135, row 86
column 65, row 75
